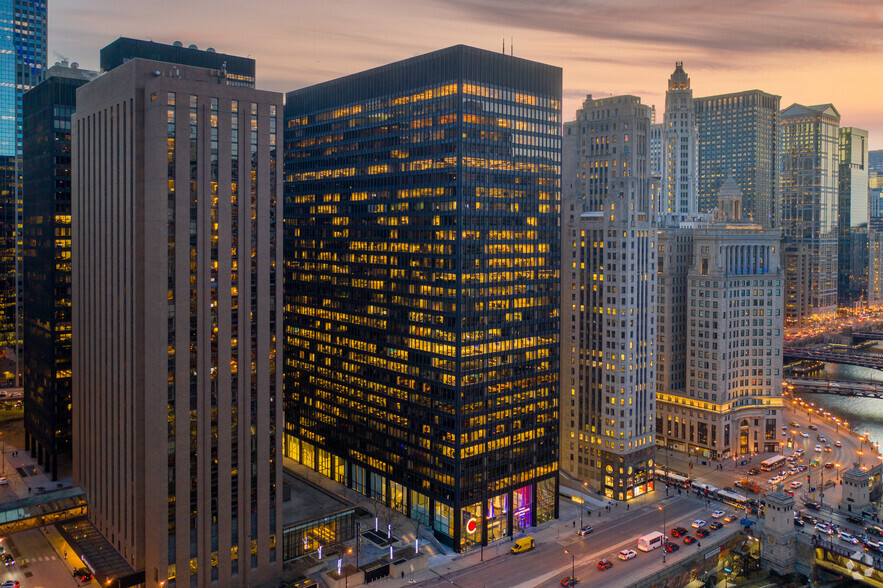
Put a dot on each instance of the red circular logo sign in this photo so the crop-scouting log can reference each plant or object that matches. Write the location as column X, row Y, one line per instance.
column 471, row 526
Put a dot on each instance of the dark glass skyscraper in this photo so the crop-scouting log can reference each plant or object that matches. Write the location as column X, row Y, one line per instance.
column 738, row 136
column 46, row 252
column 22, row 62
column 421, row 287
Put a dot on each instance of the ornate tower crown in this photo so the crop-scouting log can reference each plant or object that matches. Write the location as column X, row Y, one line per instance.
column 679, row 80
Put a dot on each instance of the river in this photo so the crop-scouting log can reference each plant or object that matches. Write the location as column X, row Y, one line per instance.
column 862, row 414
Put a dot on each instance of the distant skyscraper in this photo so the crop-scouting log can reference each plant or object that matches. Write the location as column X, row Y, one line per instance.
column 23, row 30
column 236, row 70
column 809, row 139
column 712, row 275
column 852, row 211
column 46, row 306
column 680, row 139
column 422, row 288
column 738, row 137
column 177, row 322
column 656, row 133
column 875, row 161
column 608, row 304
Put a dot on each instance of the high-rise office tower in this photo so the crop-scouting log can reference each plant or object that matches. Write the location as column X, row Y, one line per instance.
column 680, row 144
column 177, row 317
column 875, row 161
column 46, row 253
column 852, row 212
column 738, row 136
column 810, row 137
column 608, row 302
column 656, row 132
column 421, row 283
column 23, row 31
column 721, row 287
column 235, row 70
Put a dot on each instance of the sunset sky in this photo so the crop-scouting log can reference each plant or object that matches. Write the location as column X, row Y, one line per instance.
column 806, row 51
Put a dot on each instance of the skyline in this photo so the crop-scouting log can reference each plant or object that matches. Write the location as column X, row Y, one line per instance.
column 630, row 49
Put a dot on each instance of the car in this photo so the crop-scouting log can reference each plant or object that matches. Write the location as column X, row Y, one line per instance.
column 876, row 531
column 812, row 505
column 702, row 533
column 828, row 449
column 627, row 554
column 820, row 438
column 671, row 547
column 698, row 524
column 799, row 452
column 871, row 546
column 793, row 424
column 678, row 532
column 798, row 522
column 789, row 492
column 715, row 525
column 838, row 443
column 82, row 574
column 8, row 560
column 717, row 514
column 818, row 449
column 804, row 434
column 10, row 584
column 809, row 519
column 829, row 465
column 689, row 539
column 569, row 581
column 585, row 530
column 604, row 564
column 801, row 468
column 753, row 471
column 729, row 518
column 4, row 481
column 796, row 484
column 855, row 520
column 813, row 428
column 848, row 538
column 823, row 528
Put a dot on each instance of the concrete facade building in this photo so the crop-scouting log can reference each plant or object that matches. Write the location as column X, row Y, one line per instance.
column 852, row 211
column 680, row 149
column 810, row 159
column 739, row 136
column 46, row 253
column 608, row 303
column 177, row 317
column 719, row 393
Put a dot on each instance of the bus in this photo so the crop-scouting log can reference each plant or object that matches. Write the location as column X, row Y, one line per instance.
column 651, row 541
column 672, row 478
column 704, row 489
column 772, row 463
column 732, row 498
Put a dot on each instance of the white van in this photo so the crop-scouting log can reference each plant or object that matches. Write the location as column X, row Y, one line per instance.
column 651, row 541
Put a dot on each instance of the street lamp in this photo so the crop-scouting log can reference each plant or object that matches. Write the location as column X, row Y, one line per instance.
column 663, row 533
column 582, row 507
column 572, row 564
column 346, row 578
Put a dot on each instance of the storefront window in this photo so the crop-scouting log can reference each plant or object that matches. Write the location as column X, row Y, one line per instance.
column 397, row 497
column 545, row 500
column 443, row 519
column 521, row 507
column 497, row 517
column 470, row 526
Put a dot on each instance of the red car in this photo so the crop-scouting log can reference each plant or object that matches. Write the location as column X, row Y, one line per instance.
column 604, row 564
column 570, row 581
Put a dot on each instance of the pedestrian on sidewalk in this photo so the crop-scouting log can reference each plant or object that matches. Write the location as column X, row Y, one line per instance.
column 627, row 506
column 574, row 524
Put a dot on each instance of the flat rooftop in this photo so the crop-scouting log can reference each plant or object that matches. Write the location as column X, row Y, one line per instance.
column 308, row 500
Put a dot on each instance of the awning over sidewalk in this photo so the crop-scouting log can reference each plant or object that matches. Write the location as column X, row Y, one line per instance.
column 108, row 566
column 746, row 522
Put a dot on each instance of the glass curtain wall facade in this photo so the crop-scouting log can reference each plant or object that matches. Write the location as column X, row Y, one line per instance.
column 853, row 213
column 810, row 138
column 46, row 307
column 738, row 136
column 23, row 30
column 421, row 288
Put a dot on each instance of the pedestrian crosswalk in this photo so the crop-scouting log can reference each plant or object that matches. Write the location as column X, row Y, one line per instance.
column 27, row 560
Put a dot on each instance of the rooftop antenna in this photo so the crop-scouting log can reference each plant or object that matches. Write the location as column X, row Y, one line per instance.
column 511, row 45
column 504, row 45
